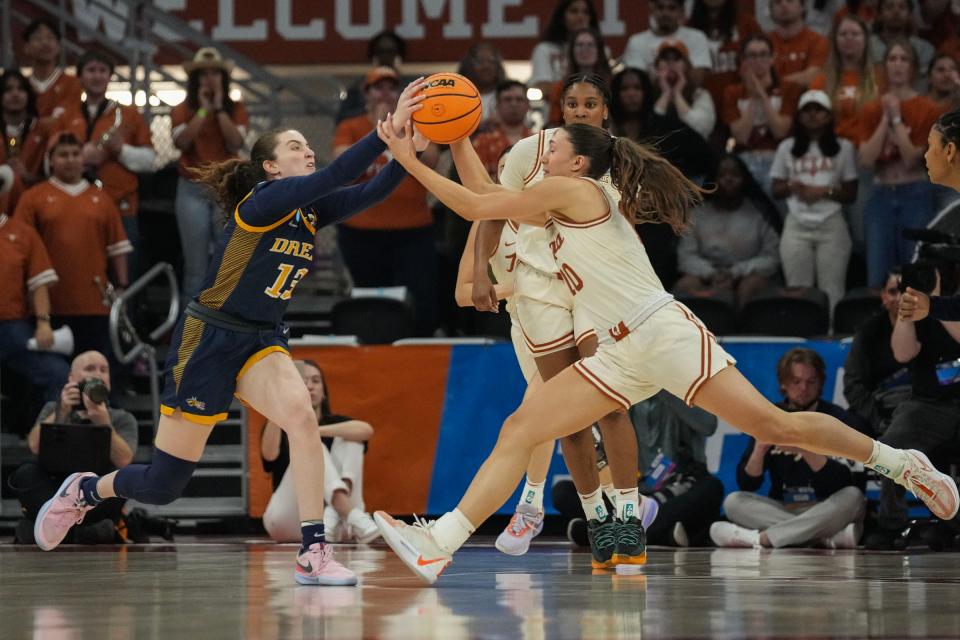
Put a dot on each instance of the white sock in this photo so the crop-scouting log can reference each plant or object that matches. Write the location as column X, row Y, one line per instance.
column 628, row 502
column 887, row 461
column 452, row 530
column 593, row 506
column 532, row 495
column 611, row 494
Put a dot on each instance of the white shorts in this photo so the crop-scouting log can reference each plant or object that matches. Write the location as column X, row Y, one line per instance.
column 671, row 350
column 528, row 365
column 548, row 320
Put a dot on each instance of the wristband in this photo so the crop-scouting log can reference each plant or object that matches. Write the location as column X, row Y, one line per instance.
column 43, row 317
column 202, row 112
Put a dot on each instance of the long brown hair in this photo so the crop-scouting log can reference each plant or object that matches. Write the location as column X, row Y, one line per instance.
column 867, row 87
column 231, row 180
column 651, row 189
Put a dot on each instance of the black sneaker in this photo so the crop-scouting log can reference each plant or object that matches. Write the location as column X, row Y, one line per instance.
column 603, row 541
column 631, row 545
column 23, row 533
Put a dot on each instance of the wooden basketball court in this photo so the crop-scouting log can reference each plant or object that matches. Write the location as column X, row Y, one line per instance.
column 234, row 588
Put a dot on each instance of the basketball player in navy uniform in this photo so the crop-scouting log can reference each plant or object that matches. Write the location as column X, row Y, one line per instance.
column 231, row 341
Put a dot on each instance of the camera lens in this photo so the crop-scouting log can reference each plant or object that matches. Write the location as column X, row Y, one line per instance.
column 95, row 389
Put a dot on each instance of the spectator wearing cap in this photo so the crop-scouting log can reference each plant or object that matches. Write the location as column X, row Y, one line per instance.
column 207, row 127
column 392, row 243
column 81, row 228
column 800, row 53
column 894, row 130
column 55, row 89
column 384, row 49
column 896, row 19
column 24, row 138
column 116, row 141
column 683, row 114
column 587, row 54
column 666, row 20
column 760, row 109
column 25, row 307
column 507, row 129
column 817, row 174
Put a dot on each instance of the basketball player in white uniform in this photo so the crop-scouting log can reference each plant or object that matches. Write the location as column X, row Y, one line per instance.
column 527, row 521
column 558, row 334
column 655, row 343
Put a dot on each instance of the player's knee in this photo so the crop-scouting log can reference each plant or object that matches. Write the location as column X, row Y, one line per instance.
column 160, row 482
column 516, row 431
column 300, row 422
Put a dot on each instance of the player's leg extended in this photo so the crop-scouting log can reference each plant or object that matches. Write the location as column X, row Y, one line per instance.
column 561, row 407
column 177, row 448
column 274, row 388
column 731, row 397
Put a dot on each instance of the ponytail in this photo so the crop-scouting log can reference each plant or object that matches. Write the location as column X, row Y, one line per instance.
column 651, row 189
column 232, row 180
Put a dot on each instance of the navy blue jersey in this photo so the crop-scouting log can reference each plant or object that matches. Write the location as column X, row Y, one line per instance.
column 267, row 245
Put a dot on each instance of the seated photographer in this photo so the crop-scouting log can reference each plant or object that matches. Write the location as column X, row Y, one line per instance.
column 813, row 498
column 671, row 439
column 83, row 401
column 344, row 445
column 930, row 417
column 874, row 383
column 25, row 266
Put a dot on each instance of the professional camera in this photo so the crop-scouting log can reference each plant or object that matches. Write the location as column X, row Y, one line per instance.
column 936, row 251
column 95, row 389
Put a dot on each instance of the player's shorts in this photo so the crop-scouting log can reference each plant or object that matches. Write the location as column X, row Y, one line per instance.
column 670, row 350
column 209, row 353
column 528, row 365
column 548, row 320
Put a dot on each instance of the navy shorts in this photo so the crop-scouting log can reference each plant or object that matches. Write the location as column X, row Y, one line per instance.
column 209, row 353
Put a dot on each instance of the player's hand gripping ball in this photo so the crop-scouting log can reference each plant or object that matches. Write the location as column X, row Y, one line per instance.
column 451, row 111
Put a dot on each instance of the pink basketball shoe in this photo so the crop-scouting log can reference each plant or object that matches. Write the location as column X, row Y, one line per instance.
column 316, row 566
column 58, row 514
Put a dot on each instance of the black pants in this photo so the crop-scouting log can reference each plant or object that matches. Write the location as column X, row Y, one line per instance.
column 33, row 487
column 401, row 257
column 925, row 425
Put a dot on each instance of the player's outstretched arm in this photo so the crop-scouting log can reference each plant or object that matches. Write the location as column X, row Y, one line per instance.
column 560, row 195
column 473, row 175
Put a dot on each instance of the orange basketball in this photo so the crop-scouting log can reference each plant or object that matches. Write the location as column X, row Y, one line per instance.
column 452, row 109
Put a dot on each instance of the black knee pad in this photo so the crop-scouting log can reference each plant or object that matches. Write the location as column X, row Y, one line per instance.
column 160, row 482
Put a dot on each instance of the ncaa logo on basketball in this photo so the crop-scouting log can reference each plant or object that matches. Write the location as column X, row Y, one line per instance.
column 442, row 82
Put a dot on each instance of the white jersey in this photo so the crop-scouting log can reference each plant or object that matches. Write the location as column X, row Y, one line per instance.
column 503, row 263
column 605, row 266
column 522, row 170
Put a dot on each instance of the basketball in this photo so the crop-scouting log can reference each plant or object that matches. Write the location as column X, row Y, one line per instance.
column 452, row 109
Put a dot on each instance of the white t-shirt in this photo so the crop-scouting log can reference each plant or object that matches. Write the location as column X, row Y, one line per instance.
column 641, row 51
column 549, row 63
column 817, row 170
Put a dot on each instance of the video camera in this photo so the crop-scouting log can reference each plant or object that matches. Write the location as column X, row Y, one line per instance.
column 936, row 251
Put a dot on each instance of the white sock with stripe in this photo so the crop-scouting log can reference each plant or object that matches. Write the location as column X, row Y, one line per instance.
column 628, row 503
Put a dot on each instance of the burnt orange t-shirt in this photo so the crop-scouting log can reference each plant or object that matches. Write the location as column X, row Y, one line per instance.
column 847, row 101
column 806, row 49
column 62, row 92
column 736, row 99
column 406, row 208
column 24, row 266
column 209, row 145
column 726, row 60
column 918, row 113
column 118, row 181
column 82, row 231
column 28, row 146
